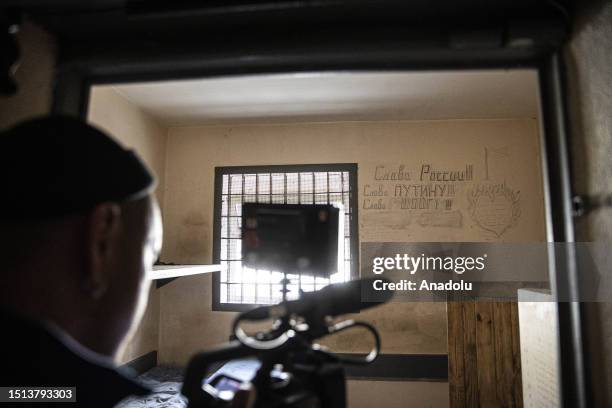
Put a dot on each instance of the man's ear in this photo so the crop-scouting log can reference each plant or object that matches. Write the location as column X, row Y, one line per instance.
column 103, row 235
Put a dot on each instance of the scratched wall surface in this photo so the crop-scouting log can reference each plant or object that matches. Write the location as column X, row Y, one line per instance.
column 468, row 180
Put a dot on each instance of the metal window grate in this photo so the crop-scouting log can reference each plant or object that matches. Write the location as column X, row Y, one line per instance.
column 241, row 285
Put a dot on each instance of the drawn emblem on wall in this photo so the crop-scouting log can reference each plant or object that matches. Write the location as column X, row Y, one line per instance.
column 494, row 207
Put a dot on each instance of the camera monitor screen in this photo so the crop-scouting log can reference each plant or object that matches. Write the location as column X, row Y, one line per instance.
column 292, row 238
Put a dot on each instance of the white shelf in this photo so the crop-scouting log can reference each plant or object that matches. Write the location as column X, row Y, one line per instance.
column 174, row 271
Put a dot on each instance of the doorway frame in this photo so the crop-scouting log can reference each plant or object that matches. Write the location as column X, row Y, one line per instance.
column 78, row 69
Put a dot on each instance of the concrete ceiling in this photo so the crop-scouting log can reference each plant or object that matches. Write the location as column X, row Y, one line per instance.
column 339, row 96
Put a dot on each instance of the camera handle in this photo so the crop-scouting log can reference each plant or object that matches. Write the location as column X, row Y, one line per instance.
column 350, row 324
column 205, row 395
column 299, row 323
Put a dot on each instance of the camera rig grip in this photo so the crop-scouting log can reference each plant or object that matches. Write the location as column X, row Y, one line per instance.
column 311, row 377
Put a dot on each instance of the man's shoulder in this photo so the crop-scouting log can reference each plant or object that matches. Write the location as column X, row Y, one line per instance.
column 32, row 356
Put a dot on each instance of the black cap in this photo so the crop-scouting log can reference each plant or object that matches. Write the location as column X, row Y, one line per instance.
column 57, row 165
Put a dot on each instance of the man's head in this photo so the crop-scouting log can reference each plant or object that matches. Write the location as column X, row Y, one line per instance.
column 79, row 230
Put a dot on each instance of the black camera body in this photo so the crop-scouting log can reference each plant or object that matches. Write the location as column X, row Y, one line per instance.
column 291, row 370
column 309, row 379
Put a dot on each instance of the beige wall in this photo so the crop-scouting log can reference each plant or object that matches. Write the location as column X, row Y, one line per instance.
column 187, row 323
column 141, row 132
column 394, row 394
column 589, row 60
column 132, row 127
column 34, row 77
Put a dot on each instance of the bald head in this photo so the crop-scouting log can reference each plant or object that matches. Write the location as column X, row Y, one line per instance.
column 78, row 248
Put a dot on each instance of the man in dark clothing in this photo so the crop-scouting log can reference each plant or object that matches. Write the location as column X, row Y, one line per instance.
column 79, row 232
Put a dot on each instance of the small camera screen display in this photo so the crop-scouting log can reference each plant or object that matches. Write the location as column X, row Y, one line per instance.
column 291, row 238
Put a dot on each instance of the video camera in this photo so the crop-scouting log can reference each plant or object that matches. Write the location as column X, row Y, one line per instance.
column 283, row 364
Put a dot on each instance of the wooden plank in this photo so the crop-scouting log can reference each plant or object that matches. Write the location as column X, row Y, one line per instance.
column 497, row 327
column 504, row 362
column 516, row 355
column 486, row 355
column 456, row 368
column 175, row 271
column 470, row 356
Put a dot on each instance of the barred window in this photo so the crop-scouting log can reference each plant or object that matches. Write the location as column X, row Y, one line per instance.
column 238, row 287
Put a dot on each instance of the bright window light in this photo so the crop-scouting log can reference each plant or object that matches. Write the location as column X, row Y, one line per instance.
column 241, row 285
